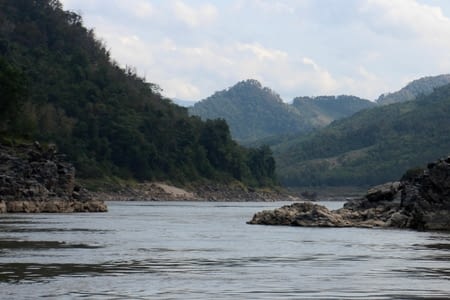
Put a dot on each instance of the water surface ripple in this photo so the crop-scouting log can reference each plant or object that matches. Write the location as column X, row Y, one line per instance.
column 188, row 250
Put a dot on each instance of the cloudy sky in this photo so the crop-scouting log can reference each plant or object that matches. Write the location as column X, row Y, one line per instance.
column 192, row 48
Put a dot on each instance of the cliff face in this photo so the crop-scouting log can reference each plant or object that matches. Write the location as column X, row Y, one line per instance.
column 426, row 197
column 419, row 201
column 34, row 179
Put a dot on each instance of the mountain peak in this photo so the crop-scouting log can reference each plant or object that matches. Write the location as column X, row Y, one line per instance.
column 248, row 83
column 254, row 86
column 421, row 86
column 254, row 112
column 251, row 110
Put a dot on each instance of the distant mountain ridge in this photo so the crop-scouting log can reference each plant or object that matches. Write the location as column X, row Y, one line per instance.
column 371, row 147
column 326, row 109
column 421, row 86
column 257, row 115
column 254, row 112
column 339, row 140
column 182, row 102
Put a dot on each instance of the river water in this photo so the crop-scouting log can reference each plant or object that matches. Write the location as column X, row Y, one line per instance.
column 195, row 250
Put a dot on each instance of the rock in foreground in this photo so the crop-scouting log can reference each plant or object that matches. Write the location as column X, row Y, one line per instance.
column 300, row 214
column 419, row 201
column 34, row 179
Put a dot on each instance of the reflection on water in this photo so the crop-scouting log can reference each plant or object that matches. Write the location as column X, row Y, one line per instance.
column 29, row 230
column 187, row 250
column 17, row 272
column 36, row 245
column 438, row 246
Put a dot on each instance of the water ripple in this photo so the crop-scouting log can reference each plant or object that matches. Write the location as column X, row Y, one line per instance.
column 206, row 251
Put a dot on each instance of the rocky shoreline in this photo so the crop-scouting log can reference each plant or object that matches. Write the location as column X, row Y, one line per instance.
column 36, row 179
column 420, row 200
column 213, row 192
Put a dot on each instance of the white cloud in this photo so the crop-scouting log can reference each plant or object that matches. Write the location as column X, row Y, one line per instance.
column 168, row 45
column 271, row 6
column 296, row 47
column 180, row 88
column 261, row 52
column 309, row 62
column 408, row 18
column 129, row 49
column 195, row 16
column 309, row 76
column 134, row 8
column 138, row 8
column 223, row 66
column 364, row 83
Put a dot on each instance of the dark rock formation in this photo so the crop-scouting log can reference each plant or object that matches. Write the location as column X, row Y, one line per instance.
column 300, row 214
column 419, row 201
column 37, row 179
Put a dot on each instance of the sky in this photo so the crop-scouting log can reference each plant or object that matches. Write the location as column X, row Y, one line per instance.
column 193, row 48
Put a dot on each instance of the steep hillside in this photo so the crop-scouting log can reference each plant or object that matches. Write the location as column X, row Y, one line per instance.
column 422, row 86
column 372, row 146
column 326, row 109
column 252, row 112
column 59, row 84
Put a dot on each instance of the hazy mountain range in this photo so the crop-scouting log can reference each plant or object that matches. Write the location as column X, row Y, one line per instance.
column 254, row 112
column 422, row 86
column 339, row 140
column 372, row 146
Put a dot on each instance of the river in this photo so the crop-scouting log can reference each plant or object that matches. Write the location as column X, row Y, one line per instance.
column 198, row 250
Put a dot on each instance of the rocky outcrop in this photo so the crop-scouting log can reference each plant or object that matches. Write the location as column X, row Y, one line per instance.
column 300, row 214
column 38, row 179
column 419, row 201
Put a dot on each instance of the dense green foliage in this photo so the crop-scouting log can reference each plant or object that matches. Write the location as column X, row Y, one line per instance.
column 61, row 86
column 422, row 86
column 257, row 114
column 372, row 146
column 13, row 93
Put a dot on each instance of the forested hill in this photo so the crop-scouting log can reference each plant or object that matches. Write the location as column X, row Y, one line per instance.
column 421, row 86
column 326, row 109
column 256, row 113
column 59, row 84
column 252, row 112
column 371, row 147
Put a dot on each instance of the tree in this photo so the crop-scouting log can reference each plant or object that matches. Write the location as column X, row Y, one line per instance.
column 107, row 119
column 12, row 93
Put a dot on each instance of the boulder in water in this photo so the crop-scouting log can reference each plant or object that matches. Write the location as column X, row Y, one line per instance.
column 418, row 202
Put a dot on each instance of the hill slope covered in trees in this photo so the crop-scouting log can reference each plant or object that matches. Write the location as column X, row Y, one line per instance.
column 326, row 109
column 59, row 84
column 371, row 147
column 421, row 86
column 256, row 113
column 252, row 112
